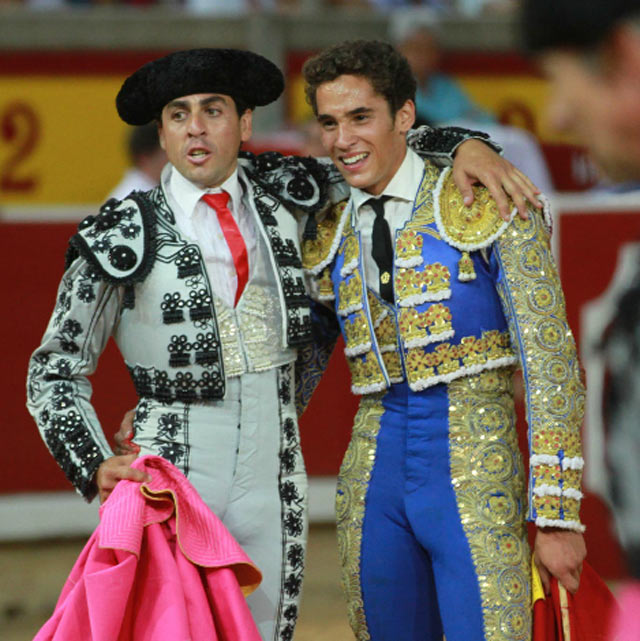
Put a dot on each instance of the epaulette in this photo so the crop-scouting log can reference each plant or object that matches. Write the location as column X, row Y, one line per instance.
column 318, row 252
column 467, row 228
column 297, row 182
column 119, row 242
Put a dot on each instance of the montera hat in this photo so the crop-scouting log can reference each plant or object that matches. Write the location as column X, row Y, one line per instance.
column 250, row 79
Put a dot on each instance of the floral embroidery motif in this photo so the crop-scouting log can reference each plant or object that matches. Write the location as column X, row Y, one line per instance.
column 353, row 481
column 409, row 248
column 366, row 374
column 421, row 328
column 325, row 286
column 63, row 427
column 316, row 251
column 447, row 362
column 357, row 336
column 292, row 483
column 487, row 475
column 533, row 300
column 350, row 295
column 68, row 332
column 414, row 287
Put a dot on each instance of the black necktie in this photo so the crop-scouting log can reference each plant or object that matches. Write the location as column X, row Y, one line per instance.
column 382, row 248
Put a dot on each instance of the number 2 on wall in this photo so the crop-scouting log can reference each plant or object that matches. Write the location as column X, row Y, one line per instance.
column 20, row 128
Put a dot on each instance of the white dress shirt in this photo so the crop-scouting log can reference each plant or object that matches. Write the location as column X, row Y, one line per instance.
column 199, row 223
column 402, row 189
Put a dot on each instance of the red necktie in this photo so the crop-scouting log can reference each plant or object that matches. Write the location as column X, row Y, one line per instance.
column 232, row 235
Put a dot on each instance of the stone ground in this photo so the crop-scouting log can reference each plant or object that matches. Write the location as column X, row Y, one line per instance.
column 32, row 575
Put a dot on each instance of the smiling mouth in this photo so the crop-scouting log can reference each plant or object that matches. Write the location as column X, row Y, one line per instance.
column 352, row 160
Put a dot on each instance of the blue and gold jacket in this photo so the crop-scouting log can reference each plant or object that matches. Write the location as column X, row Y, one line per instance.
column 472, row 292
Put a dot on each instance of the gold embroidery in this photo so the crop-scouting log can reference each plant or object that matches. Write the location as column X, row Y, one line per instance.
column 488, row 479
column 386, row 332
column 409, row 246
column 466, row 270
column 356, row 330
column 353, row 482
column 351, row 251
column 451, row 361
column 424, row 200
column 428, row 284
column 469, row 227
column 534, row 304
column 325, row 285
column 315, row 251
column 393, row 365
column 350, row 293
column 416, row 328
column 366, row 374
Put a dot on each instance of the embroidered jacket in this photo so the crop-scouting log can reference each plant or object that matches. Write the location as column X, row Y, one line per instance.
column 132, row 275
column 472, row 293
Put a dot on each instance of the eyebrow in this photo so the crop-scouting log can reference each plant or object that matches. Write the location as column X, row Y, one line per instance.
column 354, row 112
column 203, row 103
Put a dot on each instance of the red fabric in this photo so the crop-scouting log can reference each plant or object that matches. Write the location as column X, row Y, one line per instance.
column 588, row 613
column 232, row 235
column 160, row 566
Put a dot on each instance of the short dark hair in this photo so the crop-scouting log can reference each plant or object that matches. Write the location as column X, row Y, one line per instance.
column 143, row 140
column 573, row 24
column 380, row 63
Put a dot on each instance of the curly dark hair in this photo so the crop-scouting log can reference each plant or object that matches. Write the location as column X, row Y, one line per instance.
column 380, row 63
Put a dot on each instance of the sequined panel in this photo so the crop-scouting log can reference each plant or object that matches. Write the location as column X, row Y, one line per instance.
column 408, row 248
column 350, row 295
column 251, row 336
column 353, row 481
column 316, row 250
column 534, row 306
column 357, row 334
column 366, row 374
column 488, row 478
column 417, row 286
column 447, row 362
column 260, row 323
column 420, row 328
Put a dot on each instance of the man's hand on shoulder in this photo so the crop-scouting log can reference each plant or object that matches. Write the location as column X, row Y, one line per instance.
column 559, row 553
column 475, row 162
column 114, row 469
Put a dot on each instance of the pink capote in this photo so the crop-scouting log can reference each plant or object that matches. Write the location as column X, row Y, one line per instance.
column 160, row 566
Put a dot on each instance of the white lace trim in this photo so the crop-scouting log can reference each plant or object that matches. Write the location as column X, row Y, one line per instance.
column 414, row 261
column 543, row 459
column 369, row 389
column 349, row 267
column 316, row 269
column 356, row 307
column 425, row 340
column 356, row 350
column 391, row 347
column 542, row 521
column 575, row 463
column 383, row 315
column 443, row 232
column 424, row 383
column 416, row 299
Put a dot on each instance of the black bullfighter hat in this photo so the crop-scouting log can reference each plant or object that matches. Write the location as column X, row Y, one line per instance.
column 247, row 77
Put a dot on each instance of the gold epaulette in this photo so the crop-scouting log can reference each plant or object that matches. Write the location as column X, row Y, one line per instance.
column 318, row 252
column 467, row 228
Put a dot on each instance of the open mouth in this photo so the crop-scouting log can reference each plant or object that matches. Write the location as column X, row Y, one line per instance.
column 354, row 159
column 198, row 155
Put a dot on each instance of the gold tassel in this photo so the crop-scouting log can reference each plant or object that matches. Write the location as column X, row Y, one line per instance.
column 325, row 285
column 465, row 267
